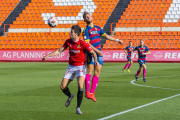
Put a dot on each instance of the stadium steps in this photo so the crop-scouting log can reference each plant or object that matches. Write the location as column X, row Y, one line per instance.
column 15, row 13
column 116, row 14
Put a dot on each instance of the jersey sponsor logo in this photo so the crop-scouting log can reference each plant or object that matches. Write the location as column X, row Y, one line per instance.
column 142, row 50
column 75, row 51
column 94, row 32
column 78, row 46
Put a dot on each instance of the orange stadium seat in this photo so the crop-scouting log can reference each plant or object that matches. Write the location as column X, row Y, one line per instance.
column 139, row 13
column 32, row 40
column 36, row 13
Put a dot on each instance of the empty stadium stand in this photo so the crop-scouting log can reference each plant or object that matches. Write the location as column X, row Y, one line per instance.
column 154, row 21
column 37, row 13
column 10, row 10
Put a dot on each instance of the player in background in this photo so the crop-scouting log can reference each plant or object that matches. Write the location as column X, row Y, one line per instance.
column 142, row 52
column 129, row 53
column 77, row 59
column 92, row 34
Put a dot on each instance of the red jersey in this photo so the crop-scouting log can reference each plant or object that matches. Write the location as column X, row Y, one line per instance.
column 77, row 51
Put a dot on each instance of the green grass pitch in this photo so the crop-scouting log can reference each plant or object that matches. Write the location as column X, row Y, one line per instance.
column 31, row 91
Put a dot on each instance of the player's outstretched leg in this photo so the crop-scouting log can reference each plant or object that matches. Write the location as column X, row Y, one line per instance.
column 129, row 67
column 136, row 75
column 144, row 72
column 70, row 96
column 87, row 85
column 93, row 87
column 144, row 75
column 79, row 101
column 80, row 92
column 64, row 87
column 125, row 68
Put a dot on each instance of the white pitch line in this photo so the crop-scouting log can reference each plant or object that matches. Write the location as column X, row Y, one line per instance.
column 132, row 82
column 145, row 104
column 138, row 107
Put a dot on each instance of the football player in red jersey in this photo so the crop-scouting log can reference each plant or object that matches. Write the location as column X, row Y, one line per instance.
column 77, row 51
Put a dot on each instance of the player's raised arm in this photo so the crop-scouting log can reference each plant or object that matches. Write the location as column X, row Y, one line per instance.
column 57, row 52
column 99, row 52
column 112, row 39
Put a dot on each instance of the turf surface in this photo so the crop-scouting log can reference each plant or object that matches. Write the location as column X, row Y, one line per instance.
column 30, row 91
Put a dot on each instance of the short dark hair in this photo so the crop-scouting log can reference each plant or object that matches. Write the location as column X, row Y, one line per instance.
column 130, row 41
column 77, row 29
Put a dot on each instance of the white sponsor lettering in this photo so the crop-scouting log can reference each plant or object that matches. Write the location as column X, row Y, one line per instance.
column 7, row 55
column 135, row 55
column 119, row 55
column 178, row 55
column 174, row 55
column 29, row 55
column 115, row 55
column 122, row 55
column 167, row 55
column 57, row 56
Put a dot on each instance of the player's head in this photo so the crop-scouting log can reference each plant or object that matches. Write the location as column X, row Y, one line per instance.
column 141, row 42
column 130, row 43
column 75, row 32
column 87, row 17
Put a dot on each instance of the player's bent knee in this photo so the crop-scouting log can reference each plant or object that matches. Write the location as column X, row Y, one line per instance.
column 89, row 71
column 62, row 87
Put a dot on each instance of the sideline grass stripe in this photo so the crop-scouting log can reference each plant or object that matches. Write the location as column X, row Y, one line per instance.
column 138, row 107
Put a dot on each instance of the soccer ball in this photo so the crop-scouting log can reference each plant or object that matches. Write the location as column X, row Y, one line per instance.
column 52, row 21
